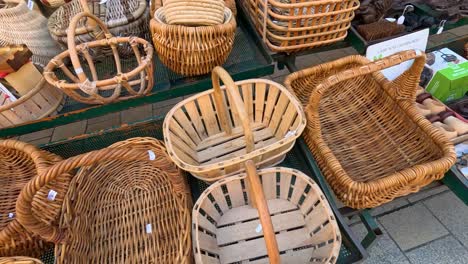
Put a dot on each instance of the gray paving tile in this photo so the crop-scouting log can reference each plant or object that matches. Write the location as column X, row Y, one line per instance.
column 308, row 61
column 160, row 111
column 442, row 251
column 69, row 130
column 103, row 125
column 331, row 55
column 460, row 31
column 423, row 194
column 412, row 226
column 452, row 212
column 170, row 102
column 280, row 79
column 37, row 135
column 136, row 114
column 279, row 72
column 103, row 118
column 383, row 251
column 39, row 141
column 393, row 205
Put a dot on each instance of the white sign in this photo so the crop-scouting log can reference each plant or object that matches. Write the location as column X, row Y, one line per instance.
column 7, row 93
column 416, row 40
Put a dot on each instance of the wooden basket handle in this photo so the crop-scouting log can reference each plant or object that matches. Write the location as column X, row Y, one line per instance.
column 99, row 27
column 258, row 201
column 24, row 202
column 236, row 100
column 408, row 80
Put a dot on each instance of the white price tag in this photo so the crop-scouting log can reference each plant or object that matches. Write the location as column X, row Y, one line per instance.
column 79, row 70
column 259, row 228
column 439, row 31
column 105, row 1
column 441, row 27
column 290, row 134
column 30, row 4
column 51, row 195
column 401, row 20
column 149, row 229
column 11, row 215
column 152, row 155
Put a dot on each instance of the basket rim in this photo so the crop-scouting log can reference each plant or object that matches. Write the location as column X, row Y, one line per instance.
column 158, row 16
column 200, row 169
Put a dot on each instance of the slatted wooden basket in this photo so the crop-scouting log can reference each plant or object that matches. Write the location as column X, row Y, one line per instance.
column 252, row 218
column 127, row 203
column 295, row 25
column 213, row 133
column 19, row 260
column 124, row 85
column 369, row 139
column 19, row 163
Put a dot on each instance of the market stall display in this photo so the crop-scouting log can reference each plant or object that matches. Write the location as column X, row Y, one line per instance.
column 379, row 148
column 291, row 26
column 131, row 190
column 19, row 163
column 266, row 214
column 192, row 50
column 261, row 125
column 20, row 25
column 138, row 81
column 19, row 260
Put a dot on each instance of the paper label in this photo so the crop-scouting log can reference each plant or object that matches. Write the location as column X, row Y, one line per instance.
column 259, row 228
column 51, row 195
column 464, row 170
column 149, row 229
column 11, row 215
column 7, row 94
column 105, row 1
column 79, row 70
column 30, row 4
column 152, row 155
column 401, row 20
column 440, row 30
column 290, row 134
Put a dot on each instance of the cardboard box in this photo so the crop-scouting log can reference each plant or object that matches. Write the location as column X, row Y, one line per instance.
column 450, row 79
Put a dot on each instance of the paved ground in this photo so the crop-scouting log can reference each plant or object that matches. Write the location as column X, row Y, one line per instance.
column 428, row 227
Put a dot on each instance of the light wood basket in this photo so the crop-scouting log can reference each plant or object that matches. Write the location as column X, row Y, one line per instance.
column 20, row 260
column 251, row 218
column 213, row 133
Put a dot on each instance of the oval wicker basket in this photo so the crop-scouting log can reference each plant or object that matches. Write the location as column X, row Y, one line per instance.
column 179, row 47
column 19, row 260
column 369, row 139
column 155, row 4
column 19, row 25
column 54, row 3
column 122, row 18
column 292, row 26
column 235, row 220
column 262, row 125
column 194, row 12
column 127, row 203
column 137, row 82
column 19, row 163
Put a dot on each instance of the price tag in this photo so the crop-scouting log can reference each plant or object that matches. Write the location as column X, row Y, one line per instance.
column 441, row 27
column 149, row 229
column 79, row 70
column 152, row 155
column 11, row 215
column 290, row 134
column 105, row 1
column 30, row 4
column 51, row 195
column 259, row 228
column 401, row 20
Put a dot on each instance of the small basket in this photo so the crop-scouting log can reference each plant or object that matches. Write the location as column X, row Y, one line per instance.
column 369, row 139
column 127, row 203
column 137, row 82
column 194, row 12
column 19, row 260
column 54, row 3
column 19, row 163
column 292, row 26
column 213, row 133
column 192, row 50
column 252, row 218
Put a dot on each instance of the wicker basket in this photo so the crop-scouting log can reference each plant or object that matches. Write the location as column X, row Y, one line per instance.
column 235, row 220
column 19, row 25
column 122, row 18
column 291, row 26
column 262, row 125
column 19, row 260
column 19, row 163
column 365, row 132
column 192, row 50
column 137, row 82
column 155, row 4
column 466, row 50
column 54, row 3
column 194, row 12
column 127, row 203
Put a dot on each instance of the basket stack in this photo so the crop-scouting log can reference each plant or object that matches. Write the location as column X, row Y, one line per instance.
column 292, row 26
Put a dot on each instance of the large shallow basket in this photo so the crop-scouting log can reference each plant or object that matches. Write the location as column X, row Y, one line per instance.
column 125, row 85
column 213, row 133
column 370, row 141
column 19, row 25
column 19, row 163
column 128, row 203
column 122, row 18
column 19, row 260
column 291, row 26
column 251, row 218
column 192, row 50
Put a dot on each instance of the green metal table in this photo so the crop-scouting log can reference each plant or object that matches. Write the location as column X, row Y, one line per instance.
column 248, row 59
column 299, row 158
column 458, row 183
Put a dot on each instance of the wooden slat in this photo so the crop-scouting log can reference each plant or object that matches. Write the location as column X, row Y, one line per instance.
column 269, row 185
column 236, row 194
column 207, row 243
column 209, row 208
column 298, row 190
column 286, row 121
column 192, row 111
column 222, row 137
column 309, row 201
column 4, row 122
column 259, row 101
column 205, row 224
column 233, row 110
column 316, row 217
column 290, row 257
column 247, row 90
column 247, row 230
column 256, row 248
column 270, row 104
column 182, row 155
column 246, row 212
column 208, row 260
column 208, row 114
column 279, row 111
column 177, row 142
column 323, row 252
column 220, row 199
column 285, row 184
column 187, row 125
column 181, row 133
column 324, row 234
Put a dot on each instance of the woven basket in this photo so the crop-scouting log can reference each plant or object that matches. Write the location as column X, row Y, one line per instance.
column 235, row 220
column 19, row 260
column 19, row 25
column 291, row 26
column 192, row 50
column 137, row 82
column 365, row 132
column 127, row 203
column 122, row 18
column 19, row 163
column 262, row 125
column 155, row 4
column 466, row 50
column 194, row 12
column 54, row 3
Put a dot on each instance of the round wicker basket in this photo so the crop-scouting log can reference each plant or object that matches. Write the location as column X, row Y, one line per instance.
column 19, row 260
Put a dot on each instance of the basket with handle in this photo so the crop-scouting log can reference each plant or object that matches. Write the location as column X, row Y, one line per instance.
column 194, row 12
column 19, row 163
column 155, row 4
column 213, row 133
column 19, row 25
column 291, row 26
column 369, row 139
column 126, row 203
column 19, row 260
column 122, row 18
column 253, row 217
column 134, row 83
column 192, row 50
